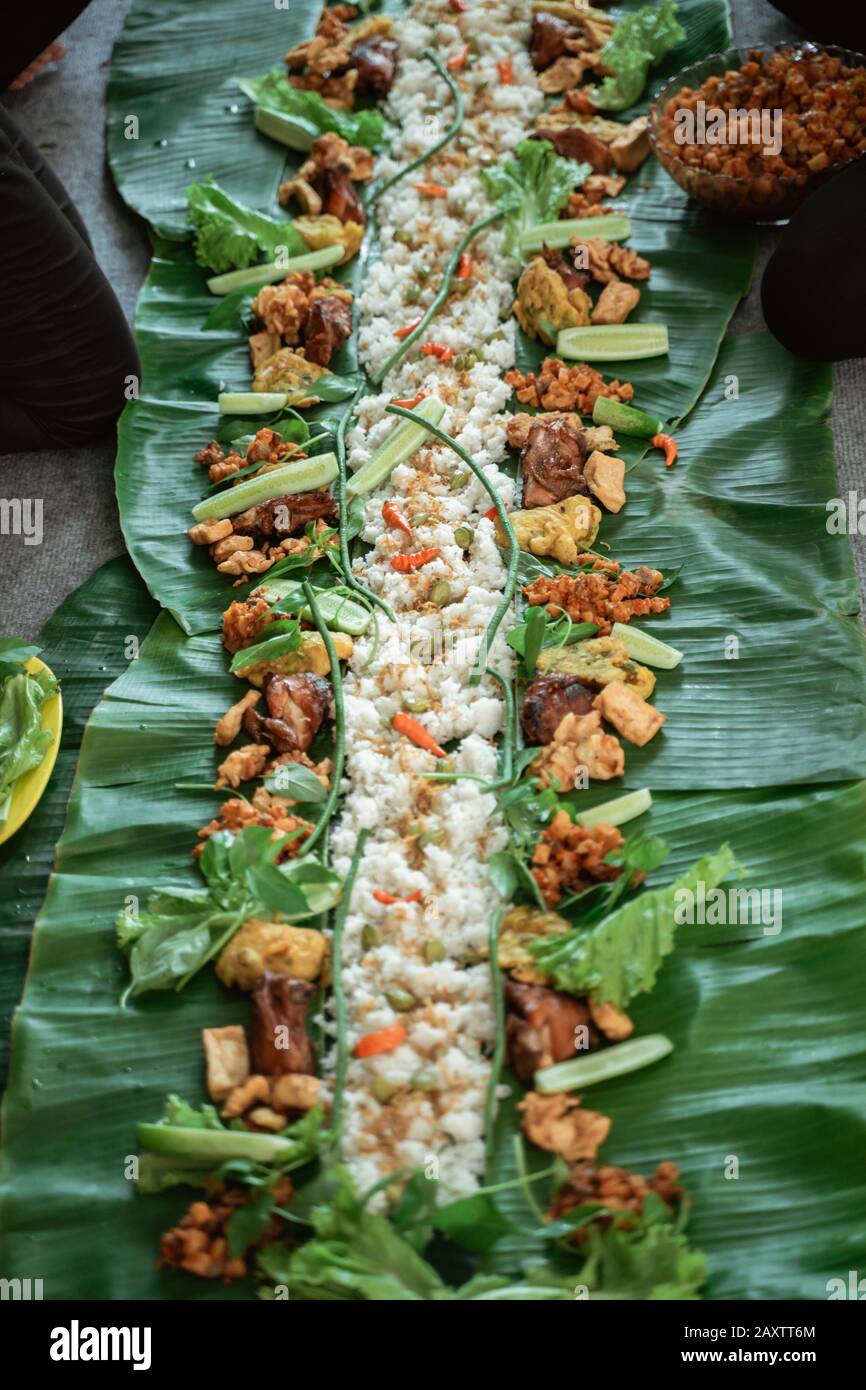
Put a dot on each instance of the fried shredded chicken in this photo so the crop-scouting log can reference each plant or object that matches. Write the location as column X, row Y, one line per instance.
column 607, row 261
column 243, row 764
column 229, row 726
column 559, row 1124
column 264, row 809
column 566, row 387
column 600, row 598
column 568, row 858
column 244, row 620
column 591, row 1184
column 579, row 748
column 199, row 1243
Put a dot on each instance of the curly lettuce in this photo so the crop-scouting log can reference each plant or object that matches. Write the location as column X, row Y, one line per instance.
column 230, row 236
column 309, row 113
column 531, row 188
column 638, row 42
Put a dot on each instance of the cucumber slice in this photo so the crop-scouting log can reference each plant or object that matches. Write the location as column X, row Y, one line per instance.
column 605, row 1065
column 338, row 611
column 275, row 270
column 212, row 1146
column 305, row 475
column 401, row 444
column 613, row 342
column 559, row 234
column 288, row 130
column 618, row 811
column 646, row 649
column 625, row 419
column 251, row 402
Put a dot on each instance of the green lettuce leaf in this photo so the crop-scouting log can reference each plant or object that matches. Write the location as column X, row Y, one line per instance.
column 272, row 92
column 230, row 236
column 652, row 1261
column 23, row 741
column 621, row 956
column 532, row 187
column 639, row 41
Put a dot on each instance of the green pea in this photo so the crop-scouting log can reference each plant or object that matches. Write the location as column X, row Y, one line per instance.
column 423, row 1081
column 405, row 238
column 430, row 837
column 433, row 951
column 441, row 594
column 370, row 937
column 459, row 480
column 422, row 272
column 416, row 706
column 464, row 536
column 383, row 1090
column 400, row 999
column 419, row 518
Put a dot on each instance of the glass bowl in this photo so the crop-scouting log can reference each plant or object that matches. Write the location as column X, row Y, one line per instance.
column 770, row 197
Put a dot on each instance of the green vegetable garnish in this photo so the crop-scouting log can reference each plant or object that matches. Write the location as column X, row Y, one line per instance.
column 230, row 236
column 639, row 41
column 296, row 118
column 531, row 188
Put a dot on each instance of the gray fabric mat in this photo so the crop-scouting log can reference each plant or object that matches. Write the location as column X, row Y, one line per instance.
column 63, row 112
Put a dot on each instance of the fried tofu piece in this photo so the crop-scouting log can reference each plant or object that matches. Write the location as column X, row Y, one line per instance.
column 560, row 530
column 227, row 1059
column 629, row 150
column 579, row 746
column 260, row 946
column 615, row 303
column 229, row 726
column 559, row 1124
column 243, row 764
column 622, row 707
column 605, row 478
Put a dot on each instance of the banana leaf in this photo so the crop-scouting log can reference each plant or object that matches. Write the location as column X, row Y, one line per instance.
column 86, row 645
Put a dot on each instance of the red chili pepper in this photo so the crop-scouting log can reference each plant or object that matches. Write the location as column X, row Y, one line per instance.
column 404, row 563
column 455, row 63
column 669, row 445
column 416, row 400
column 464, row 269
column 506, row 73
column 405, row 724
column 389, row 898
column 432, row 190
column 440, row 350
column 458, row 6
column 491, row 514
column 392, row 516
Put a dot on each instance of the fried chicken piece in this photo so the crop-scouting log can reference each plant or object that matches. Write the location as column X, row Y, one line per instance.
column 615, row 303
column 603, row 599
column 279, row 1042
column 264, row 809
column 282, row 309
column 546, row 702
column 579, row 747
column 568, row 858
column 575, row 142
column 331, row 151
column 282, row 516
column 260, row 947
column 328, row 326
column 243, row 765
column 552, row 460
column 606, row 260
column 375, row 60
column 630, row 715
column 593, row 436
column 550, row 38
column 244, row 620
column 229, row 726
column 598, row 661
column 566, row 388
column 567, row 72
column 541, row 1028
column 591, row 1184
column 297, row 706
column 199, row 1243
column 292, row 1093
column 218, row 464
column 582, row 205
column 559, row 1124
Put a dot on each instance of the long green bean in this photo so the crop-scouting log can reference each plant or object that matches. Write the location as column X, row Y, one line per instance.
column 337, row 987
column 339, row 719
column 405, row 169
column 453, row 262
column 514, row 548
column 499, row 1048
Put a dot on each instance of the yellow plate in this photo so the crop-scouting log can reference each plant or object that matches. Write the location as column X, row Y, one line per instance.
column 29, row 788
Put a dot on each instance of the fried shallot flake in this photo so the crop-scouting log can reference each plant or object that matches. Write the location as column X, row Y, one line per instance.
column 568, row 858
column 561, row 387
column 199, row 1243
column 600, row 598
column 264, row 809
column 592, row 1184
column 559, row 1124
